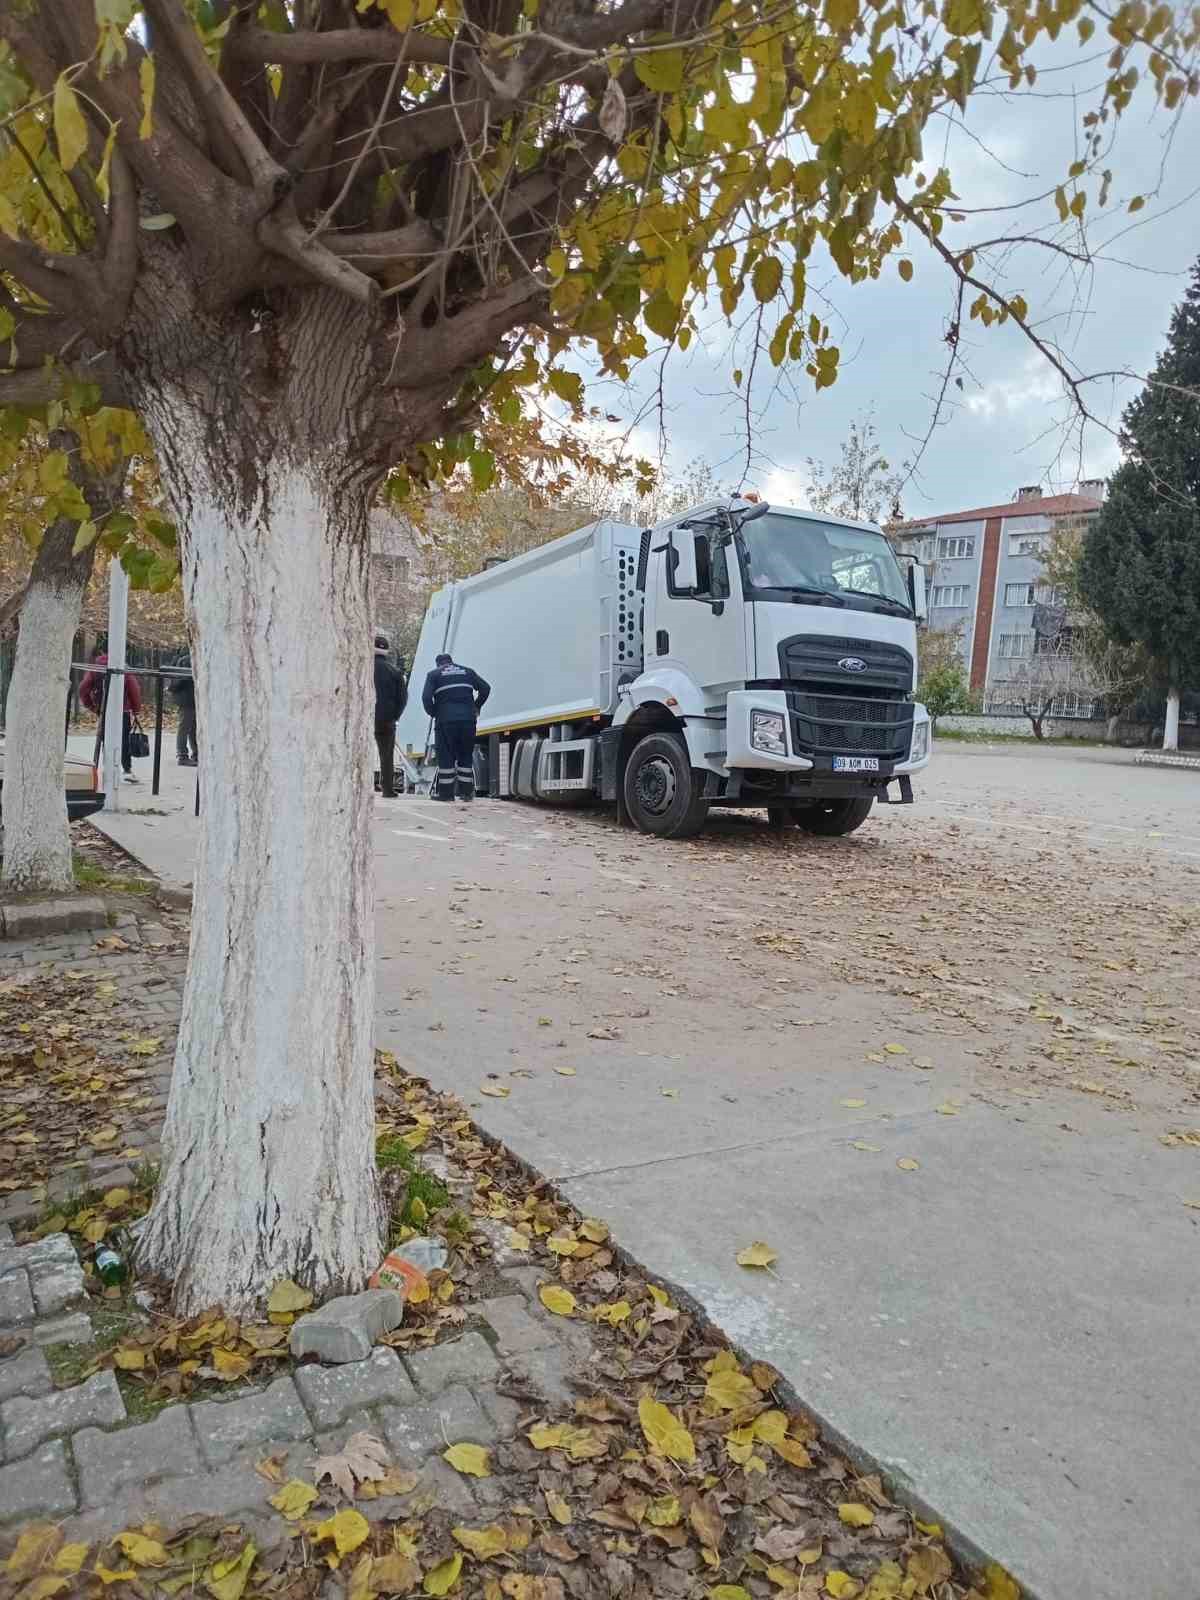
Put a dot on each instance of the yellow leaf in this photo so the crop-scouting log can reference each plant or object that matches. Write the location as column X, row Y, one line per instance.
column 558, row 1508
column 771, row 1426
column 141, row 1551
column 841, row 1585
column 144, row 1047
column 294, row 1499
column 397, row 1572
column 947, row 1109
column 861, row 1144
column 896, row 1049
column 498, row 1091
column 444, row 1576
column 664, row 1432
column 907, row 1164
column 766, row 278
column 887, row 1582
column 931, row 1530
column 230, row 1365
column 560, row 1301
column 997, row 1585
column 561, row 1245
column 594, row 1231
column 565, row 1072
column 146, row 84
column 129, row 1357
column 45, row 1586
column 518, row 1241
column 793, row 1452
column 483, row 1543
column 116, row 1198
column 615, row 1314
column 360, row 1579
column 70, row 1558
column 107, row 1575
column 347, row 1529
column 548, row 1435
column 730, row 1389
column 855, row 1515
column 33, row 1549
column 905, row 268
column 70, row 129
column 287, row 1298
column 469, row 1459
column 226, row 1580
column 659, row 1296
column 757, row 1254
column 853, row 1105
column 728, row 1591
column 665, row 1512
column 927, row 1566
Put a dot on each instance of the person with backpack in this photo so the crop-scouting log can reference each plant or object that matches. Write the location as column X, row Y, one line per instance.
column 391, row 697
column 91, row 694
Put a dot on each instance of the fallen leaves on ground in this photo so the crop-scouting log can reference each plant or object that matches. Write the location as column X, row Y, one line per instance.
column 363, row 1459
column 469, row 1459
column 756, row 1255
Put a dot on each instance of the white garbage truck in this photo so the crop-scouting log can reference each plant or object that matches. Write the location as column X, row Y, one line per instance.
column 737, row 654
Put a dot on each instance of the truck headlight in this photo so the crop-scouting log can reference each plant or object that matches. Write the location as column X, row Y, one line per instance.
column 920, row 742
column 766, row 732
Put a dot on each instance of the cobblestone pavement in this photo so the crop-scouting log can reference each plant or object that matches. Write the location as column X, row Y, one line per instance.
column 127, row 980
column 74, row 1455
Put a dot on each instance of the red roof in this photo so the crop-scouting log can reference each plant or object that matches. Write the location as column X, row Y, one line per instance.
column 1049, row 505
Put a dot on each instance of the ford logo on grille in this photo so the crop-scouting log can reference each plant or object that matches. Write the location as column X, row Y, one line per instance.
column 852, row 664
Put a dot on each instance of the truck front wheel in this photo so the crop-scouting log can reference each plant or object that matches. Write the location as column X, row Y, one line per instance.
column 833, row 816
column 662, row 794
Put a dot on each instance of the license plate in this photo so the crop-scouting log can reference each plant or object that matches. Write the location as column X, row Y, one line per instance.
column 856, row 763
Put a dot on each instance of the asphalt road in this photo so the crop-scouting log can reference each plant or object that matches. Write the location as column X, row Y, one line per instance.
column 741, row 1037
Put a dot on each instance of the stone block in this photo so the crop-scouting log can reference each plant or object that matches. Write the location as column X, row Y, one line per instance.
column 31, row 919
column 55, row 1285
column 39, row 1486
column 455, row 1417
column 469, row 1359
column 225, row 1427
column 543, row 1375
column 73, row 1329
column 16, row 1302
column 6, row 1234
column 55, row 1249
column 505, row 1413
column 331, row 1393
column 235, row 1493
column 26, row 1422
column 133, row 1457
column 514, row 1327
column 346, row 1329
column 27, row 1373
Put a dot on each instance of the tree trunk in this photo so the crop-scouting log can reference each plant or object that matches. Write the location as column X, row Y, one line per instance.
column 1037, row 727
column 37, row 838
column 269, row 1140
column 1171, row 725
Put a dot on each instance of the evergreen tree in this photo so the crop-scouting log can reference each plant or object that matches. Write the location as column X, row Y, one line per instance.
column 1140, row 570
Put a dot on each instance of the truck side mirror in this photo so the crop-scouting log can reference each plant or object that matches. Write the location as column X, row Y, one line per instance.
column 683, row 561
column 916, row 591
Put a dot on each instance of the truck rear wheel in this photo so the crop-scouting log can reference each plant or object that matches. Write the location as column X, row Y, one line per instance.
column 662, row 794
column 833, row 816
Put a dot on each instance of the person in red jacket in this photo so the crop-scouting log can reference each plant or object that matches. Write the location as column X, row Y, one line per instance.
column 91, row 693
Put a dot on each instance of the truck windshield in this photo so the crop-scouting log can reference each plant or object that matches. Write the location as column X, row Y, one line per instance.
column 783, row 555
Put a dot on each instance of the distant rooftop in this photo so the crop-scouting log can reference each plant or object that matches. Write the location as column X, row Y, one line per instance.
column 1025, row 505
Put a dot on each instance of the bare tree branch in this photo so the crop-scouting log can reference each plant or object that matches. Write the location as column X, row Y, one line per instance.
column 341, row 44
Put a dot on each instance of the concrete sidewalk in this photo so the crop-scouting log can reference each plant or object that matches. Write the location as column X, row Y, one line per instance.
column 1009, row 1326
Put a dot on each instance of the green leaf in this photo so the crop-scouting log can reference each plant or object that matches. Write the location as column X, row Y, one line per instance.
column 567, row 386
column 483, row 469
column 766, row 278
column 70, row 129
column 661, row 70
column 7, row 323
column 661, row 315
column 159, row 221
column 677, row 272
column 86, row 536
column 146, row 82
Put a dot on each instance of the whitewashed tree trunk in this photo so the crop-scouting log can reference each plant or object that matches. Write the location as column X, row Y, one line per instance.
column 37, row 839
column 268, row 1146
column 1171, row 724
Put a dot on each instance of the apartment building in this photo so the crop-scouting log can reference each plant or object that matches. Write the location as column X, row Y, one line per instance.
column 984, row 577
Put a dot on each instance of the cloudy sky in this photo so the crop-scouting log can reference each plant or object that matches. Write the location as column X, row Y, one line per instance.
column 1008, row 424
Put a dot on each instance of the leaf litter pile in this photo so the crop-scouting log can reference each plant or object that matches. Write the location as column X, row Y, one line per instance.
column 679, row 1469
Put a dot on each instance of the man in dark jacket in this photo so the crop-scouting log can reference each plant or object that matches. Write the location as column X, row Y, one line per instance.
column 183, row 692
column 390, row 699
column 453, row 697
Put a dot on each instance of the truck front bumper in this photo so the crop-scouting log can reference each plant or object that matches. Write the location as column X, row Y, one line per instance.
column 761, row 734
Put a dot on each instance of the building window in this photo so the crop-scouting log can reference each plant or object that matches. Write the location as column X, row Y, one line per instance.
column 955, row 549
column 951, row 594
column 1014, row 644
column 1027, row 544
column 1032, row 594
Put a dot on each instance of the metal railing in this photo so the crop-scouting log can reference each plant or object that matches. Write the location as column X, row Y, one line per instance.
column 161, row 676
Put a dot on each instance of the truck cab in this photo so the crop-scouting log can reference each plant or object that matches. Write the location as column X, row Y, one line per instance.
column 783, row 643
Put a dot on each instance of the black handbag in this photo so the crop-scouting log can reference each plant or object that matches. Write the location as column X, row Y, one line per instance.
column 139, row 742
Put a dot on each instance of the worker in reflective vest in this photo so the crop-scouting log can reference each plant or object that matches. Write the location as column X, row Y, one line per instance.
column 453, row 697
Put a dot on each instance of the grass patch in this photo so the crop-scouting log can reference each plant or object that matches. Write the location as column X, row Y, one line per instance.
column 111, row 1321
column 425, row 1196
column 89, row 876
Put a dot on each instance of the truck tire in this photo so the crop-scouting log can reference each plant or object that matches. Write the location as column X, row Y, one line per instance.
column 833, row 817
column 661, row 791
column 780, row 817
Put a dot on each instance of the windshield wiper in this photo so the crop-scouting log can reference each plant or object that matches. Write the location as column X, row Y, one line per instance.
column 897, row 606
column 798, row 590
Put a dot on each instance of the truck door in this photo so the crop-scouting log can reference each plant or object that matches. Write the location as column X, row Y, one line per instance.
column 699, row 618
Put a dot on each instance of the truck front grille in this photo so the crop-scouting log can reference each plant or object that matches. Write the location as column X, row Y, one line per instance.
column 828, row 724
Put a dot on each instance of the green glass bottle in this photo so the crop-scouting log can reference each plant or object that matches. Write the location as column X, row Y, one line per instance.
column 110, row 1267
